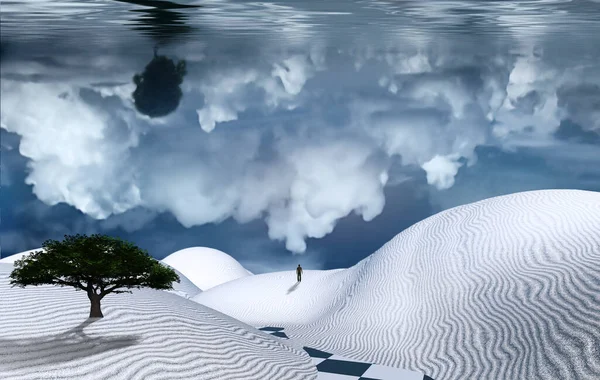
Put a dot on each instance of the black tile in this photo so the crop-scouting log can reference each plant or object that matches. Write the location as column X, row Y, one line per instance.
column 427, row 378
column 269, row 328
column 314, row 353
column 280, row 334
column 343, row 367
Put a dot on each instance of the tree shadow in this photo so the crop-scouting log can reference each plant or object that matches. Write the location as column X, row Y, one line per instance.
column 294, row 287
column 69, row 345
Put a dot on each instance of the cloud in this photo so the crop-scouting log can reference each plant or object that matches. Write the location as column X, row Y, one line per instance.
column 302, row 190
column 76, row 155
column 234, row 90
column 531, row 100
column 276, row 150
column 581, row 102
column 130, row 221
column 259, row 255
column 409, row 64
column 441, row 171
column 224, row 97
column 332, row 179
column 293, row 73
column 562, row 165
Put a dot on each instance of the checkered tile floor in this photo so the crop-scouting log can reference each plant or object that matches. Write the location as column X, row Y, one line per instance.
column 335, row 367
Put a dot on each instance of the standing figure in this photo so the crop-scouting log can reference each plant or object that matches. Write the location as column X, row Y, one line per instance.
column 299, row 273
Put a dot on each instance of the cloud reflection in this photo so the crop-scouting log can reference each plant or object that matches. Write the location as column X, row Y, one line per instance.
column 299, row 135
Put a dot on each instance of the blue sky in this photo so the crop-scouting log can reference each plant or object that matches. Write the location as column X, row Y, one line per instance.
column 303, row 135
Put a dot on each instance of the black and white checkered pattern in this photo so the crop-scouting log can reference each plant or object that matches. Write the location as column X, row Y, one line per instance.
column 335, row 367
column 276, row 331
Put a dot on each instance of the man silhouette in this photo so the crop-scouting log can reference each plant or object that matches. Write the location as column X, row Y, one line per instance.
column 299, row 273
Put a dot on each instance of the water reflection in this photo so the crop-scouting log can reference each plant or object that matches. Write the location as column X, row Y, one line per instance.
column 158, row 93
column 164, row 21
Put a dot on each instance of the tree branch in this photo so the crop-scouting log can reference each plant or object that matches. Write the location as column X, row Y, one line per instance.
column 108, row 290
column 75, row 284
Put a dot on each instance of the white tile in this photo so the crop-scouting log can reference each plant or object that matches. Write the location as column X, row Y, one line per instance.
column 390, row 373
column 338, row 357
column 317, row 361
column 335, row 376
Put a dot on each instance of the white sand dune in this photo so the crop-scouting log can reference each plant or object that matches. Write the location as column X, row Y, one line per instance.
column 18, row 256
column 146, row 335
column 199, row 268
column 505, row 288
column 206, row 267
column 279, row 293
column 184, row 288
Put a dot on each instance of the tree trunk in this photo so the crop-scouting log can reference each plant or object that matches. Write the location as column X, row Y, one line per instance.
column 95, row 309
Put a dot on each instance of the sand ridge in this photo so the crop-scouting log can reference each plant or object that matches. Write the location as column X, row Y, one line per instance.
column 504, row 288
column 147, row 335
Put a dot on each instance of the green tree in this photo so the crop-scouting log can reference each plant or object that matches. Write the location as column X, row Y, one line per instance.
column 97, row 264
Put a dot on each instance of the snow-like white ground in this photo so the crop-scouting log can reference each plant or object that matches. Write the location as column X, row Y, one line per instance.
column 150, row 334
column 206, row 267
column 505, row 288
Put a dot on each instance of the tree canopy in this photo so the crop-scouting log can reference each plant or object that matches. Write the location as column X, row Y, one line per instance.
column 157, row 90
column 97, row 264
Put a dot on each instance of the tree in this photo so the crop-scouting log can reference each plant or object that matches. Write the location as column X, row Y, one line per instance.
column 157, row 91
column 97, row 264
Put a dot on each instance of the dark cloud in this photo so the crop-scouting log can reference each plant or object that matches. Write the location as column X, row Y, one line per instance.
column 582, row 103
column 568, row 130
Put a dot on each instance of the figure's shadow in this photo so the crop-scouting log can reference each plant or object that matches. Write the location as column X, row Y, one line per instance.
column 69, row 345
column 294, row 287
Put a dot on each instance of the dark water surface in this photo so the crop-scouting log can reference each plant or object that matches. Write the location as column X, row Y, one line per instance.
column 95, row 26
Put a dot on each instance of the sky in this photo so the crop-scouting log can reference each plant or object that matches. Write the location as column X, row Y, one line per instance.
column 307, row 132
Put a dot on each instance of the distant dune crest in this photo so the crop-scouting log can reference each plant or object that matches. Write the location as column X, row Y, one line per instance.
column 18, row 256
column 206, row 267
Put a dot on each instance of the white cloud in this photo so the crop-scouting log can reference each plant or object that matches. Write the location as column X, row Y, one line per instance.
column 531, row 100
column 302, row 193
column 409, row 64
column 435, row 117
column 441, row 171
column 105, row 159
column 224, row 97
column 72, row 158
column 227, row 92
column 332, row 179
column 293, row 73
